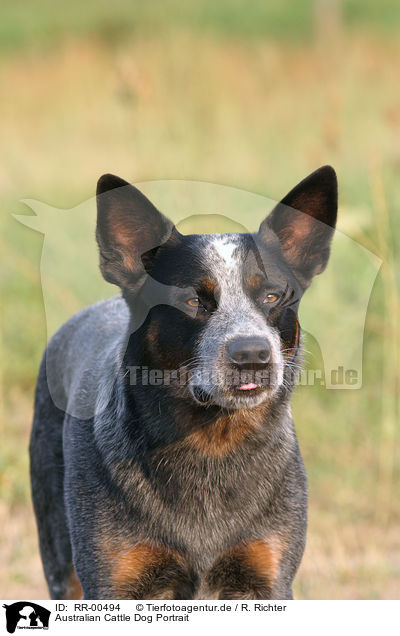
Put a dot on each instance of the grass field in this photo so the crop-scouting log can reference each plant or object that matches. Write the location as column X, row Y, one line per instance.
column 254, row 98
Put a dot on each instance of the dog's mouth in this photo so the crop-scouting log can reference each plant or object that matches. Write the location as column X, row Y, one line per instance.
column 250, row 386
column 236, row 396
column 250, row 382
column 244, row 388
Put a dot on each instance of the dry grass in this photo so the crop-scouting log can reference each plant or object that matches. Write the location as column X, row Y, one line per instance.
column 20, row 567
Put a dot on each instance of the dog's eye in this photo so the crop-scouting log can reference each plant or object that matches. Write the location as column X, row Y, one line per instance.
column 270, row 298
column 194, row 302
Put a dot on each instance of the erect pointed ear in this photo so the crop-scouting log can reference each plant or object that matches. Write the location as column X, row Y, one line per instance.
column 129, row 231
column 304, row 223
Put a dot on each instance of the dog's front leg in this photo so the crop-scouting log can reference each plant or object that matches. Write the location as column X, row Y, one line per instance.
column 251, row 570
column 143, row 570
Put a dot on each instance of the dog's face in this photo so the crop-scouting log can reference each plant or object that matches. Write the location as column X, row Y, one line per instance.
column 222, row 307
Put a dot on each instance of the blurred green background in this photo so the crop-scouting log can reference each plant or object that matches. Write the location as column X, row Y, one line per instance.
column 253, row 95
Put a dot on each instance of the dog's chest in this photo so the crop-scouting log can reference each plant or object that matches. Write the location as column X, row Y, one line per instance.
column 202, row 508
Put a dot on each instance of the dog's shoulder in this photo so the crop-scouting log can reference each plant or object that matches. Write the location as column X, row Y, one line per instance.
column 84, row 354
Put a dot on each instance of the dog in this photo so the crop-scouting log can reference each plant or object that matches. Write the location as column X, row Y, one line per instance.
column 184, row 485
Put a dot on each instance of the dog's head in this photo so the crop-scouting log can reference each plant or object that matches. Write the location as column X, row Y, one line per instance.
column 222, row 307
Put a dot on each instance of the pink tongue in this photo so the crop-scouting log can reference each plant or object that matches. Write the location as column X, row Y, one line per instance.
column 248, row 387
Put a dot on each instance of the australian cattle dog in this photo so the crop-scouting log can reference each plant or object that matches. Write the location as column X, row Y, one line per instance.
column 164, row 459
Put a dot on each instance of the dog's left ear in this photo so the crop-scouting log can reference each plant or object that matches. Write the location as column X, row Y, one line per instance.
column 304, row 222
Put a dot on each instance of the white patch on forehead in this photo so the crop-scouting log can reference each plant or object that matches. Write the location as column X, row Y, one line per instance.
column 222, row 256
column 226, row 249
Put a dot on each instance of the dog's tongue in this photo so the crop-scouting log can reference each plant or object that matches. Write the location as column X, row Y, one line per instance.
column 248, row 387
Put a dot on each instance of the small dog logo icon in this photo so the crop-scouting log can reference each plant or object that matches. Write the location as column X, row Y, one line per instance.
column 26, row 615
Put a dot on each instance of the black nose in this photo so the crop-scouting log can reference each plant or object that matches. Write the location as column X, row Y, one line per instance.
column 249, row 351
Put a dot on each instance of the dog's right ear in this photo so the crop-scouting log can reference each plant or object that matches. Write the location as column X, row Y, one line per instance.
column 129, row 231
column 304, row 222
